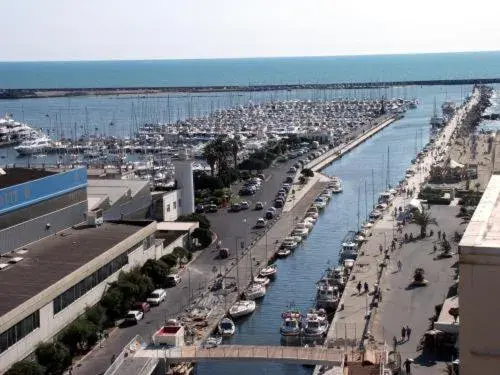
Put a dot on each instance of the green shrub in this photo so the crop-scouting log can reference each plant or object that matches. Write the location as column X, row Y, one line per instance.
column 170, row 260
column 204, row 236
column 156, row 270
column 202, row 219
column 79, row 335
column 54, row 357
column 96, row 314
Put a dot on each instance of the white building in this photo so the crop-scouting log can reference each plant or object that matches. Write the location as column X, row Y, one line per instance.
column 59, row 276
column 479, row 283
column 185, row 184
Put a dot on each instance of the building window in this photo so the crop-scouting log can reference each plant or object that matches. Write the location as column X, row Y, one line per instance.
column 168, row 207
column 72, row 294
column 174, row 205
column 19, row 331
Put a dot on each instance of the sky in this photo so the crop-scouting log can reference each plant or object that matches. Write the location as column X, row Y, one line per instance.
column 34, row 30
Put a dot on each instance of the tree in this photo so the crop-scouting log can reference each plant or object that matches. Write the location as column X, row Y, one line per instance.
column 181, row 253
column 96, row 314
column 170, row 260
column 307, row 172
column 253, row 164
column 25, row 368
column 201, row 219
column 54, row 356
column 454, row 312
column 79, row 335
column 156, row 270
column 204, row 236
column 210, row 155
column 113, row 302
column 423, row 220
column 234, row 146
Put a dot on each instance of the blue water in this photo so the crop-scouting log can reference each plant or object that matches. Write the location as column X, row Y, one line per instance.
column 255, row 71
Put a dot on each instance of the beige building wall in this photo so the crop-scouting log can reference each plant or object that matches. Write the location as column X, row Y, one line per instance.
column 479, row 287
column 51, row 324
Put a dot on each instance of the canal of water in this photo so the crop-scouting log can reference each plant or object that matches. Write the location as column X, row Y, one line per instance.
column 298, row 273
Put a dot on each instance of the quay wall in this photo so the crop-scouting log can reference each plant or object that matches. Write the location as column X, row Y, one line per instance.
column 8, row 93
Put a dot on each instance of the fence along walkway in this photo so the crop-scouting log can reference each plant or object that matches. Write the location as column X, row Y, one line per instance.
column 311, row 356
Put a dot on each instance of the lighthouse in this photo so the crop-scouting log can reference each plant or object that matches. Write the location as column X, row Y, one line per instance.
column 185, row 185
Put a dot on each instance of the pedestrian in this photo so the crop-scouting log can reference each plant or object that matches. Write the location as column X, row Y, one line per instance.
column 434, row 248
column 403, row 333
column 394, row 343
column 366, row 287
column 400, row 265
column 439, row 234
column 379, row 295
column 407, row 364
column 444, row 236
column 380, row 248
column 408, row 332
column 358, row 287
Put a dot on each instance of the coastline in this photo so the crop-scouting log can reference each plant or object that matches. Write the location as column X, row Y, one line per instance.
column 42, row 93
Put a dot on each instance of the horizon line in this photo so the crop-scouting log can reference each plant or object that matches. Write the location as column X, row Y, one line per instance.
column 249, row 57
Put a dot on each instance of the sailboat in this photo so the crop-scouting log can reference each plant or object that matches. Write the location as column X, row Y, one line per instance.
column 436, row 121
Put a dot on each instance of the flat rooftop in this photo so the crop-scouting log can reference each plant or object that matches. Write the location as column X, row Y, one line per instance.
column 483, row 231
column 50, row 259
column 16, row 176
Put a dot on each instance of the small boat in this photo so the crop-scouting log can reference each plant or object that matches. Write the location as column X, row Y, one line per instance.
column 255, row 291
column 289, row 243
column 311, row 219
column 314, row 326
column 327, row 297
column 261, row 280
column 226, row 327
column 375, row 214
column 309, row 225
column 269, row 271
column 297, row 239
column 300, row 230
column 242, row 308
column 291, row 325
column 283, row 253
column 312, row 214
column 320, row 202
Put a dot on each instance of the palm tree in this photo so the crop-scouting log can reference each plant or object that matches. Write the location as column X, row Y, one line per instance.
column 423, row 219
column 210, row 155
column 234, row 146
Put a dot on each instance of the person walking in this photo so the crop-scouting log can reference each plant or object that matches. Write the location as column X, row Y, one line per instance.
column 394, row 343
column 358, row 287
column 407, row 364
column 408, row 332
column 439, row 234
column 400, row 265
column 380, row 248
column 403, row 333
column 366, row 287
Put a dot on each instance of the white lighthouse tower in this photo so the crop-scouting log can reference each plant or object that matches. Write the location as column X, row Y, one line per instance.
column 185, row 185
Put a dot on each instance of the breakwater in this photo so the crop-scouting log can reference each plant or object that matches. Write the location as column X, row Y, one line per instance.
column 7, row 93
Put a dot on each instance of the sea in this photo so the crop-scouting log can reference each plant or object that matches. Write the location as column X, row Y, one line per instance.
column 121, row 115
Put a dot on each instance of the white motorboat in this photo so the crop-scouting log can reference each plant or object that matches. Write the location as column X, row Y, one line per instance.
column 308, row 224
column 261, row 280
column 311, row 219
column 269, row 271
column 314, row 326
column 242, row 308
column 349, row 250
column 375, row 214
column 289, row 243
column 300, row 230
column 312, row 214
column 297, row 239
column 226, row 327
column 40, row 145
column 327, row 297
column 291, row 324
column 283, row 252
column 320, row 202
column 255, row 291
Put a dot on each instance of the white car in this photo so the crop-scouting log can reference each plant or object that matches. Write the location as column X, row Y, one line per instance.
column 157, row 297
column 133, row 316
column 261, row 223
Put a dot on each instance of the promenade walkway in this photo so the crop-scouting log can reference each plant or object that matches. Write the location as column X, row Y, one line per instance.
column 354, row 322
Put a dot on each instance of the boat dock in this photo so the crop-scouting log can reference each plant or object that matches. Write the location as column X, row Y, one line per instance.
column 337, row 152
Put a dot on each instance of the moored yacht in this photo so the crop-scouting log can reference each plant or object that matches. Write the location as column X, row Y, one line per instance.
column 242, row 308
column 314, row 326
column 291, row 324
column 255, row 291
column 226, row 327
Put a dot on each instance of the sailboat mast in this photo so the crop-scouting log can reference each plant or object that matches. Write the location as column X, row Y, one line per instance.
column 366, row 202
column 373, row 189
column 359, row 192
column 388, row 169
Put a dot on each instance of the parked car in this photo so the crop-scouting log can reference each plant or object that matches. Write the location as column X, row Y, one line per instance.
column 235, row 207
column 199, row 209
column 142, row 306
column 261, row 223
column 259, row 206
column 292, row 170
column 173, row 279
column 244, row 205
column 224, row 253
column 212, row 208
column 269, row 215
column 289, row 180
column 261, row 176
column 157, row 297
column 133, row 316
column 278, row 203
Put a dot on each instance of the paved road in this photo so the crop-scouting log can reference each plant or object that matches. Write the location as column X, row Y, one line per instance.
column 230, row 228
